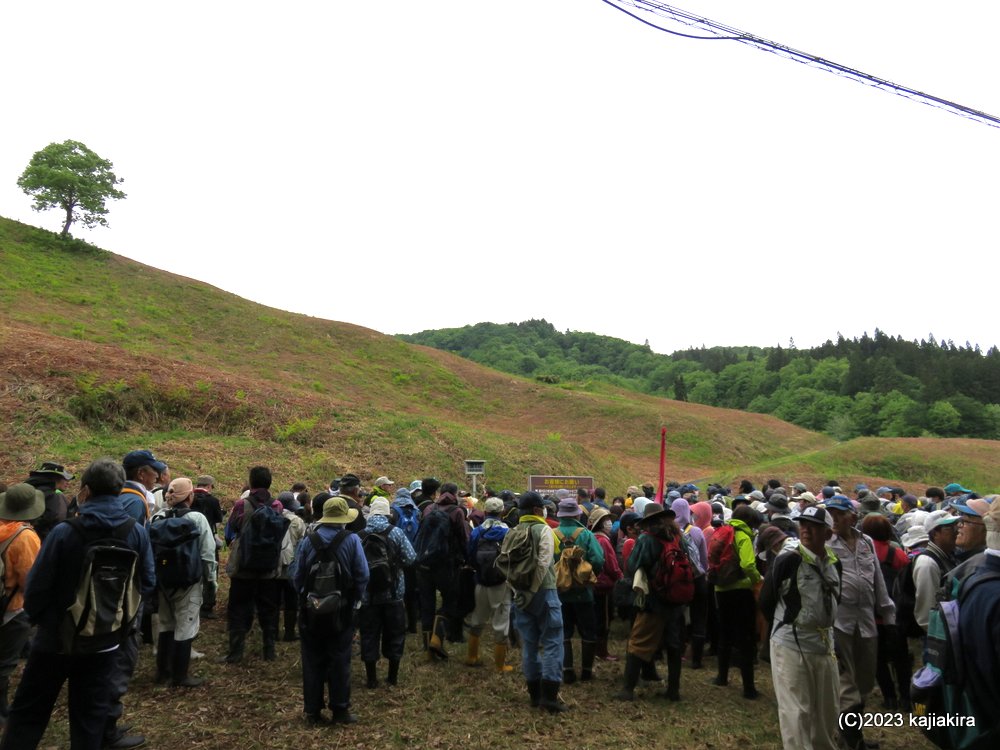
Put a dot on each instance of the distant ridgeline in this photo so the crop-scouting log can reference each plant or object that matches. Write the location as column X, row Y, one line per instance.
column 879, row 385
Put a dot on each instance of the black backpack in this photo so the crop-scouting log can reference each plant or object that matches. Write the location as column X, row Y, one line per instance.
column 261, row 536
column 176, row 549
column 381, row 562
column 324, row 601
column 487, row 552
column 434, row 539
column 107, row 593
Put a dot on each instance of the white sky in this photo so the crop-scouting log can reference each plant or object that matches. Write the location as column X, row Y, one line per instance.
column 533, row 159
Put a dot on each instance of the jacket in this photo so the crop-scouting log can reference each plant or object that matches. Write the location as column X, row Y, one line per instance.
column 815, row 595
column 206, row 541
column 53, row 580
column 18, row 559
column 546, row 548
column 592, row 553
column 350, row 554
column 402, row 556
column 55, row 503
column 611, row 572
column 979, row 623
column 459, row 525
column 235, row 523
column 645, row 556
column 928, row 575
column 743, row 539
column 863, row 591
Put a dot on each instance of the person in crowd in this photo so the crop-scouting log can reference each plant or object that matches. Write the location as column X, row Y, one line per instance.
column 863, row 598
column 971, row 541
column 611, row 573
column 383, row 487
column 694, row 538
column 931, row 565
column 326, row 639
column 52, row 480
column 179, row 608
column 19, row 544
column 441, row 576
column 288, row 598
column 382, row 619
column 206, row 503
column 50, row 590
column 493, row 596
column 799, row 599
column 406, row 515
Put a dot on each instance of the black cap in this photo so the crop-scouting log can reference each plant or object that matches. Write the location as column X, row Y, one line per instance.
column 530, row 500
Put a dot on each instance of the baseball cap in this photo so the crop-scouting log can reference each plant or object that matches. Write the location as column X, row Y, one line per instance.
column 840, row 502
column 137, row 459
column 817, row 514
column 937, row 519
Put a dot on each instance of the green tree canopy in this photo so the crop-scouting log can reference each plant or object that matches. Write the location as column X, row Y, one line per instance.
column 70, row 176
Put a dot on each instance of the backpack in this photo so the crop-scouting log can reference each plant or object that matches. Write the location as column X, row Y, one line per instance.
column 673, row 578
column 261, row 536
column 176, row 549
column 324, row 603
column 381, row 564
column 518, row 558
column 724, row 567
column 938, row 687
column 4, row 596
column 904, row 594
column 573, row 572
column 487, row 551
column 408, row 519
column 107, row 595
column 433, row 544
column 692, row 552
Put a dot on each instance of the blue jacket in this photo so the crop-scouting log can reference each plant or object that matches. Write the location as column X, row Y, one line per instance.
column 979, row 624
column 492, row 528
column 55, row 575
column 403, row 557
column 351, row 556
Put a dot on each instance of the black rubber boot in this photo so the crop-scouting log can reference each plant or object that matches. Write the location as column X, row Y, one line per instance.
column 291, row 619
column 237, row 642
column 550, row 699
column 588, row 649
column 164, row 653
column 393, row 677
column 534, row 692
column 370, row 676
column 633, row 666
column 673, row 691
column 181, row 663
column 435, row 644
column 697, row 651
column 746, row 671
column 569, row 675
column 649, row 673
column 267, row 651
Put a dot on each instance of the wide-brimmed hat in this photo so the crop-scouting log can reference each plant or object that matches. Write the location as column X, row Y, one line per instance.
column 778, row 504
column 493, row 505
column 569, row 508
column 22, row 502
column 379, row 507
column 653, row 512
column 50, row 468
column 596, row 516
column 335, row 510
column 913, row 536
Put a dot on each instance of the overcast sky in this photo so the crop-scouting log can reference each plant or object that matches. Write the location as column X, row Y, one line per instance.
column 413, row 165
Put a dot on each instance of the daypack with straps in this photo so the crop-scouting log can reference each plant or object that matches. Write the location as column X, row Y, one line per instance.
column 518, row 557
column 724, row 568
column 261, row 535
column 487, row 551
column 904, row 594
column 672, row 581
column 434, row 539
column 131, row 491
column 324, row 600
column 408, row 519
column 573, row 571
column 692, row 551
column 107, row 593
column 6, row 596
column 939, row 687
column 176, row 549
column 381, row 562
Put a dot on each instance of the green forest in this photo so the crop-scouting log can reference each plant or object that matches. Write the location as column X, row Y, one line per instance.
column 874, row 385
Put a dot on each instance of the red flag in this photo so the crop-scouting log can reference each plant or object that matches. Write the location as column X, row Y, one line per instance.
column 663, row 464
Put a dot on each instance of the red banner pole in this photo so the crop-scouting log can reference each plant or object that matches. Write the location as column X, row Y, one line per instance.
column 663, row 464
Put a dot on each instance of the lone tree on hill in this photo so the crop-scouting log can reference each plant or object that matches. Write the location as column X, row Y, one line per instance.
column 70, row 176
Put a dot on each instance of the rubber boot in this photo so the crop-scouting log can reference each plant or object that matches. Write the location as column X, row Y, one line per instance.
column 500, row 658
column 372, row 679
column 164, row 652
column 697, row 651
column 746, row 671
column 569, row 675
column 267, row 651
column 550, row 700
column 435, row 645
column 237, row 642
column 454, row 630
column 534, row 692
column 472, row 655
column 588, row 649
column 649, row 673
column 4, row 706
column 633, row 666
column 291, row 618
column 673, row 691
column 181, row 663
column 722, row 657
column 393, row 677
column 602, row 650
column 426, row 638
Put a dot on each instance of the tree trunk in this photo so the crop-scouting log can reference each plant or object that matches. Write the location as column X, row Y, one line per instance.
column 69, row 220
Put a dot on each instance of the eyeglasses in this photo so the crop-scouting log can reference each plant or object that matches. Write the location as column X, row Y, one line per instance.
column 969, row 522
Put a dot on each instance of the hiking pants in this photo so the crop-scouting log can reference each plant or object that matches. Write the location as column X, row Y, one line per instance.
column 443, row 578
column 326, row 663
column 13, row 635
column 737, row 629
column 249, row 594
column 124, row 660
column 540, row 627
column 579, row 616
column 653, row 630
column 492, row 608
column 807, row 698
column 89, row 699
column 602, row 614
column 382, row 628
column 180, row 611
column 856, row 658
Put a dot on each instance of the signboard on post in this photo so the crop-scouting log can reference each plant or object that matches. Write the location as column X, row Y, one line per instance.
column 546, row 485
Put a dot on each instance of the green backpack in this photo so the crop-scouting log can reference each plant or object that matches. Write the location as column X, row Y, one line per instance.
column 518, row 558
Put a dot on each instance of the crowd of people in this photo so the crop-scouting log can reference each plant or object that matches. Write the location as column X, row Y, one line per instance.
column 836, row 590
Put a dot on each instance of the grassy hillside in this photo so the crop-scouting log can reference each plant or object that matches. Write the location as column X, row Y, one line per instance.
column 103, row 354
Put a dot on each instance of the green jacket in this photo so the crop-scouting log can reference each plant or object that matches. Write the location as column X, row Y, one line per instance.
column 748, row 562
column 592, row 553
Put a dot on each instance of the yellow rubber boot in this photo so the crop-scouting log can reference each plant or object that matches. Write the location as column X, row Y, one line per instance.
column 500, row 657
column 472, row 657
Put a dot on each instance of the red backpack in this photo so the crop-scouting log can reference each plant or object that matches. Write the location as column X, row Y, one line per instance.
column 724, row 567
column 673, row 578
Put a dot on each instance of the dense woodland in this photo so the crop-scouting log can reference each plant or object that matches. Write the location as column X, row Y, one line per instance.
column 873, row 385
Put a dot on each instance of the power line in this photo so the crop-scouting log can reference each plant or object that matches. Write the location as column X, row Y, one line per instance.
column 721, row 32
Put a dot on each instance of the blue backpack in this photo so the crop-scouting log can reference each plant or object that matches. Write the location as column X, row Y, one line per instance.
column 176, row 549
column 408, row 519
